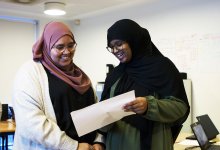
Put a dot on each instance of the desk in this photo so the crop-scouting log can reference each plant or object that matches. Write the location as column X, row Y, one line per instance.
column 182, row 137
column 6, row 128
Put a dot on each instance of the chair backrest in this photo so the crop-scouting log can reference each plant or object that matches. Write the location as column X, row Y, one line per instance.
column 4, row 112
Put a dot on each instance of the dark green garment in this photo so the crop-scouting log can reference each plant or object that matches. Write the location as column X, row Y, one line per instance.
column 164, row 112
column 122, row 136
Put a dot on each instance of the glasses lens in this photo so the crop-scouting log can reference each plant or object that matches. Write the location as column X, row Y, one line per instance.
column 118, row 45
column 70, row 46
column 60, row 47
column 109, row 49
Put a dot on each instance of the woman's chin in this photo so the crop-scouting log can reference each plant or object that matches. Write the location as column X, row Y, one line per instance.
column 66, row 65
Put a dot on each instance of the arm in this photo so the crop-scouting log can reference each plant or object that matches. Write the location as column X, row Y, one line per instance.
column 165, row 110
column 35, row 119
column 162, row 110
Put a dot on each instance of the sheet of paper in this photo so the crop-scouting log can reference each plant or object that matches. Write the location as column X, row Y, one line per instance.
column 189, row 142
column 101, row 114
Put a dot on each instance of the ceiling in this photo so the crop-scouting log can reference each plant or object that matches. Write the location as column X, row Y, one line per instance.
column 75, row 8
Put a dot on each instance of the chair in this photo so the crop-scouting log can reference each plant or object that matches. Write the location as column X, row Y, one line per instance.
column 4, row 112
column 4, row 123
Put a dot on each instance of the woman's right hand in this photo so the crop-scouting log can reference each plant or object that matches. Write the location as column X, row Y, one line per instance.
column 139, row 105
column 85, row 146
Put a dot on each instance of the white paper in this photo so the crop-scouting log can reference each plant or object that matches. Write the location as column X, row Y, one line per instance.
column 189, row 142
column 101, row 114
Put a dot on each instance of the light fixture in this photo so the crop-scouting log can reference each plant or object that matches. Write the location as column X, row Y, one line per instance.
column 54, row 8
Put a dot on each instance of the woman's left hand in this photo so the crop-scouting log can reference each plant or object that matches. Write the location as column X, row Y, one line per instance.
column 139, row 105
column 98, row 147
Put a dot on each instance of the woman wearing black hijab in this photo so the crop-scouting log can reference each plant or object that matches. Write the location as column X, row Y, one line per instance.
column 161, row 104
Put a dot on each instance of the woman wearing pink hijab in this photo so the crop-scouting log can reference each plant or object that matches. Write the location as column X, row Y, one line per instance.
column 46, row 90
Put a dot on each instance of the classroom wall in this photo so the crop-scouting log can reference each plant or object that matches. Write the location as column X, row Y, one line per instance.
column 185, row 31
column 16, row 40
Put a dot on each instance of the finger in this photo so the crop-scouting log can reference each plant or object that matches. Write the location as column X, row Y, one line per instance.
column 130, row 103
column 140, row 105
column 140, row 110
column 130, row 109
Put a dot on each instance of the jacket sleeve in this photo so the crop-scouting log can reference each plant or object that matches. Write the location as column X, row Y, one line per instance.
column 165, row 110
column 35, row 120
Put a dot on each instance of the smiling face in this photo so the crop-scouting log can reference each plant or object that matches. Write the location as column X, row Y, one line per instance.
column 62, row 52
column 121, row 50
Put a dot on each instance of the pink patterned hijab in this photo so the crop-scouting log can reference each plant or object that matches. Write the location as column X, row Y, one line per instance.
column 75, row 77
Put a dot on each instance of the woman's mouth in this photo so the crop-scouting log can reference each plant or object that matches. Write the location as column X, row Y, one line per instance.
column 120, row 55
column 65, row 58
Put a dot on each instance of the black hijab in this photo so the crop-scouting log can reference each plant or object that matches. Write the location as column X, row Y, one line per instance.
column 148, row 73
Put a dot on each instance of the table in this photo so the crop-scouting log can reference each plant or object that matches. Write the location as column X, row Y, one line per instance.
column 6, row 128
column 181, row 137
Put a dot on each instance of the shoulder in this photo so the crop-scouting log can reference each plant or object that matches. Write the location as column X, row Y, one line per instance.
column 29, row 70
column 163, row 60
column 30, row 64
column 30, row 67
column 29, row 76
column 166, row 64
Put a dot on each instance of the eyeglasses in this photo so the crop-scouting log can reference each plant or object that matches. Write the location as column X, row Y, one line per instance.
column 61, row 47
column 117, row 46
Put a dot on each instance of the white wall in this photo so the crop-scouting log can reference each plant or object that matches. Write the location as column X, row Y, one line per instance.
column 186, row 31
column 16, row 44
column 17, row 38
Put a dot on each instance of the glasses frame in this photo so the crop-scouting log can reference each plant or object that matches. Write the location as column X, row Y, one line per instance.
column 65, row 47
column 116, row 47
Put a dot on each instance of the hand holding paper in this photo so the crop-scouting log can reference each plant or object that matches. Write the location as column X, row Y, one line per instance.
column 101, row 114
